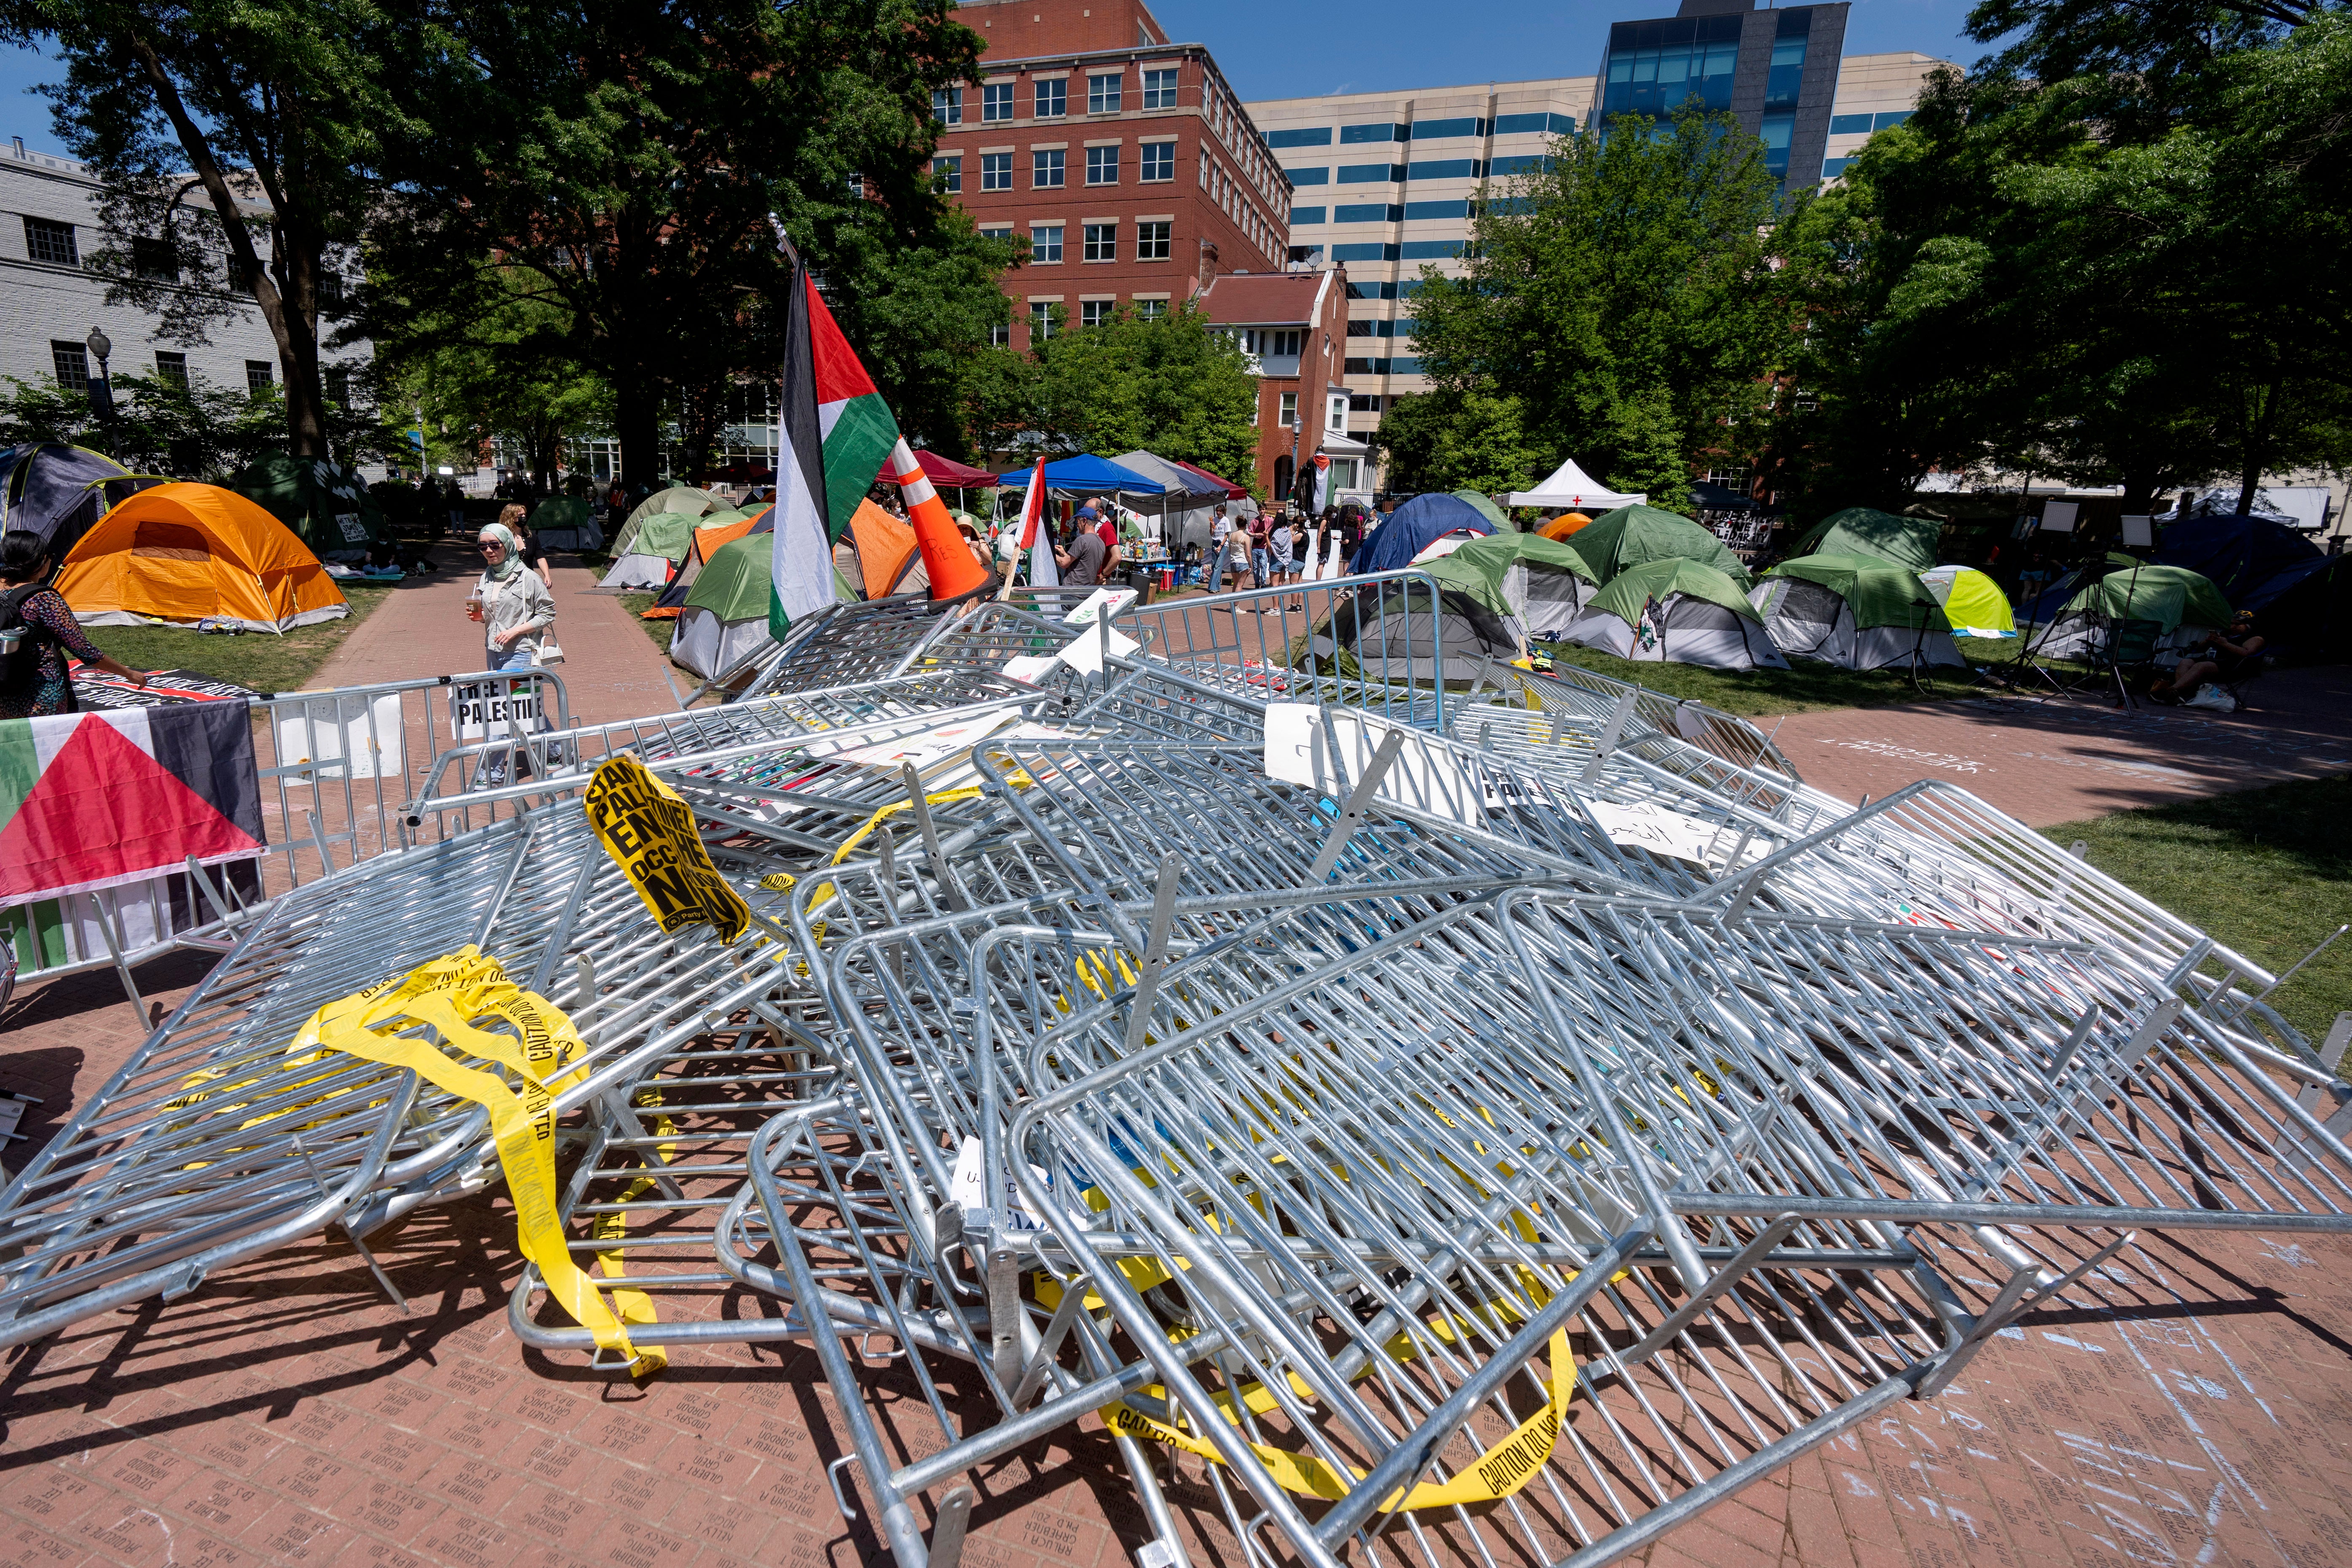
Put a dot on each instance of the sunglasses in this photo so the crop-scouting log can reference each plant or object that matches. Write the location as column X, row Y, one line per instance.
column 485, row 549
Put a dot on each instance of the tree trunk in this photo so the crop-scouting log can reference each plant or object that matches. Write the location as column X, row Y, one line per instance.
column 305, row 393
column 637, row 416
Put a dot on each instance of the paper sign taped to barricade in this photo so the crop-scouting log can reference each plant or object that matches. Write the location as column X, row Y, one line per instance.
column 344, row 737
column 1101, row 602
column 1031, row 668
column 476, row 706
column 925, row 747
column 971, row 1192
column 1645, row 825
column 1424, row 777
column 650, row 834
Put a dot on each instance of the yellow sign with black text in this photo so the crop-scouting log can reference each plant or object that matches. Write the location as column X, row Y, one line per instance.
column 650, row 833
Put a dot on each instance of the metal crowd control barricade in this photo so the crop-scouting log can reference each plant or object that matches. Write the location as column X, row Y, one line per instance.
column 842, row 644
column 1370, row 1223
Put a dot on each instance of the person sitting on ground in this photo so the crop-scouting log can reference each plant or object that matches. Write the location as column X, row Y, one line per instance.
column 35, row 679
column 2222, row 656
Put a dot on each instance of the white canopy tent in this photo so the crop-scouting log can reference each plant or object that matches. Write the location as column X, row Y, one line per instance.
column 1570, row 488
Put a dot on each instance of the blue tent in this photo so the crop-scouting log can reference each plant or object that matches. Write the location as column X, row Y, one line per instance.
column 2301, row 598
column 1086, row 476
column 1413, row 527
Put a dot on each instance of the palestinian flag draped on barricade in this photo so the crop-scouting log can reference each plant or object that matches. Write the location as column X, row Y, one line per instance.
column 833, row 434
column 92, row 801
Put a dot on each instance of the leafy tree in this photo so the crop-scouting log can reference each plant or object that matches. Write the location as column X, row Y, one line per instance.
column 1448, row 440
column 1619, row 295
column 1170, row 384
column 159, row 426
column 273, row 107
column 618, row 164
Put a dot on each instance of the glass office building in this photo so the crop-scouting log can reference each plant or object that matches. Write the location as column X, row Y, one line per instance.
column 1776, row 71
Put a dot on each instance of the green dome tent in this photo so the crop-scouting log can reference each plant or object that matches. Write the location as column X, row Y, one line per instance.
column 321, row 503
column 1634, row 535
column 683, row 498
column 1880, row 535
column 1856, row 612
column 1538, row 582
column 1677, row 610
column 2184, row 605
column 1487, row 509
column 726, row 616
column 566, row 522
column 660, row 543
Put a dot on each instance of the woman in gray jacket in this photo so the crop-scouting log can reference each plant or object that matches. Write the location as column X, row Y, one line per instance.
column 513, row 605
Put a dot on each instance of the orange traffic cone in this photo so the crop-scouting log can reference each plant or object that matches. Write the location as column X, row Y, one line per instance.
column 954, row 573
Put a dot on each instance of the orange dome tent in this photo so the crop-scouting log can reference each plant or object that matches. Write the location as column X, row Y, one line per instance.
column 196, row 552
column 1563, row 525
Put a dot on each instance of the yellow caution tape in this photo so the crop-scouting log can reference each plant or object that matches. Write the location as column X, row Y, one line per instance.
column 649, row 831
column 447, row 994
column 1500, row 1471
column 634, row 1306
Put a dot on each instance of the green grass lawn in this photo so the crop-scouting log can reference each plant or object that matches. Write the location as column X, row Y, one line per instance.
column 1802, row 688
column 258, row 660
column 2265, row 871
column 660, row 631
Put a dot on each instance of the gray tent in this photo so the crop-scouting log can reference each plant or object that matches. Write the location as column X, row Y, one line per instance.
column 1185, row 509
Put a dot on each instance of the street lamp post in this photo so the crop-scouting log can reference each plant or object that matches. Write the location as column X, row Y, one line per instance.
column 101, row 390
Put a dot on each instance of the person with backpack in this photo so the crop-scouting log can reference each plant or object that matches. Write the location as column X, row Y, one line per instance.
column 37, row 630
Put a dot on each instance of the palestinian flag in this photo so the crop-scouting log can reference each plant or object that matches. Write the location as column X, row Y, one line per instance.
column 833, row 433
column 100, row 800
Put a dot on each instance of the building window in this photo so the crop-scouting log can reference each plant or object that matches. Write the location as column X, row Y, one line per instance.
column 1272, row 343
column 1364, row 253
column 1100, row 241
column 1004, row 234
column 72, row 364
column 1848, row 124
column 1301, row 216
column 1364, row 367
column 156, row 260
column 1444, row 169
column 1542, row 124
column 1046, row 165
column 1053, row 100
column 1158, row 162
column 1310, row 253
column 173, row 368
column 1159, row 89
column 1655, row 67
column 330, row 288
column 1370, row 173
column 1834, row 167
column 1317, row 136
column 1093, row 312
column 1438, row 130
column 1150, row 309
column 1374, row 133
column 1321, row 176
column 339, row 384
column 1363, row 403
column 1433, row 249
column 1041, row 320
column 946, row 174
column 1414, row 211
column 1102, row 165
column 1404, row 367
column 1777, row 130
column 996, row 102
column 996, row 171
column 1343, row 473
column 1520, row 163
column 234, row 271
column 947, row 105
column 1153, row 241
column 260, row 375
column 1368, row 212
column 1046, row 242
column 1786, row 79
column 1000, row 335
column 1103, row 94
column 1288, row 417
column 51, row 242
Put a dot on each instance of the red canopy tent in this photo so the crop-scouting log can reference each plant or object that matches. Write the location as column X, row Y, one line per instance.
column 946, row 472
column 1232, row 490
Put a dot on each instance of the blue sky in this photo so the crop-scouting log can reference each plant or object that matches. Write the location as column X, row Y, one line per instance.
column 1369, row 45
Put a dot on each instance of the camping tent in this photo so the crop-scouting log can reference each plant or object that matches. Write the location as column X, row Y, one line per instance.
column 190, row 554
column 1413, row 527
column 1570, row 488
column 1859, row 531
column 1634, row 535
column 1565, row 524
column 1972, row 602
column 661, row 543
column 944, row 472
column 1485, row 506
column 1857, row 612
column 711, row 534
column 1186, row 508
column 2184, row 605
column 1538, row 584
column 1679, row 611
column 1391, row 634
column 57, row 492
column 889, row 559
column 2301, row 598
column 725, row 617
column 683, row 498
column 566, row 522
column 325, row 504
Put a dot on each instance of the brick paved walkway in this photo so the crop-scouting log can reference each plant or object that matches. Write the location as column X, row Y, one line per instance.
column 2195, row 1410
column 2064, row 760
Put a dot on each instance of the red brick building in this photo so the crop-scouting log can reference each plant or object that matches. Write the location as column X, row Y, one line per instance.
column 1293, row 325
column 1125, row 160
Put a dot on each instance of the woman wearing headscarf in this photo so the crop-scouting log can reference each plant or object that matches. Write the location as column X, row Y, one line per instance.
column 513, row 605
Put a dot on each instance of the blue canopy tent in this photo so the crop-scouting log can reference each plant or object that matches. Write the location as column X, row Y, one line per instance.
column 1085, row 475
column 1413, row 528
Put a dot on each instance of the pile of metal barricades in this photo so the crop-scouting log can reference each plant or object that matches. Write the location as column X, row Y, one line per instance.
column 1454, row 1115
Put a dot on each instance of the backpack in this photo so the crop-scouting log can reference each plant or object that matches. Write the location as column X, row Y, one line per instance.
column 21, row 669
